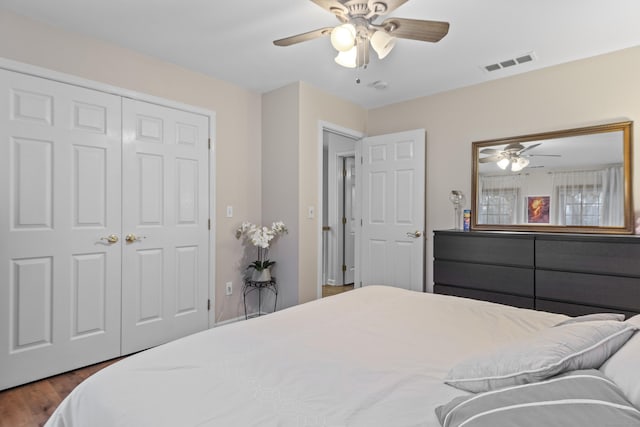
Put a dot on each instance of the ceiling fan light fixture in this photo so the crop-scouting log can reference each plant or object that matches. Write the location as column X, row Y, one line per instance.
column 343, row 37
column 382, row 42
column 359, row 27
column 503, row 163
column 348, row 58
column 519, row 164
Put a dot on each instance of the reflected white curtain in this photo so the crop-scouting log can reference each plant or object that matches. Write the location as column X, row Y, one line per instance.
column 613, row 200
column 604, row 188
column 501, row 200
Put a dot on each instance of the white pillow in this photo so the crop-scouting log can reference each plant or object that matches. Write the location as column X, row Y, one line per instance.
column 578, row 398
column 583, row 345
column 624, row 366
column 591, row 317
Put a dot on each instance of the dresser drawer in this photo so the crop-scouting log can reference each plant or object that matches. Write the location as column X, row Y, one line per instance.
column 604, row 257
column 575, row 309
column 494, row 278
column 589, row 289
column 512, row 251
column 513, row 300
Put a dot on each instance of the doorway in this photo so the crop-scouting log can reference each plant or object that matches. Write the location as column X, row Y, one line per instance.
column 339, row 191
column 346, row 224
column 388, row 208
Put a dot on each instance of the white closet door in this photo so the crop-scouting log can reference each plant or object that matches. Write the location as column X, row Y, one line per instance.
column 165, row 206
column 60, row 168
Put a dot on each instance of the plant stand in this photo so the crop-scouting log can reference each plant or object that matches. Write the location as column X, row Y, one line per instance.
column 253, row 285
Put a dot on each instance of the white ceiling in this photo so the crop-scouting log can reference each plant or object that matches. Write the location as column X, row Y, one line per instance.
column 232, row 40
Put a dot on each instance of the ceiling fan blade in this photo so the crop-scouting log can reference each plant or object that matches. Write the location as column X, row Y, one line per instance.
column 299, row 38
column 490, row 159
column 543, row 155
column 530, row 147
column 335, row 7
column 515, row 146
column 490, row 151
column 384, row 7
column 416, row 29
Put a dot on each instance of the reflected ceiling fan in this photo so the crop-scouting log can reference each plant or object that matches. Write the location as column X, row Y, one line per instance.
column 358, row 30
column 512, row 154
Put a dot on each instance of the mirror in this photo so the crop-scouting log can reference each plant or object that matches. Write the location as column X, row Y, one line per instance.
column 572, row 181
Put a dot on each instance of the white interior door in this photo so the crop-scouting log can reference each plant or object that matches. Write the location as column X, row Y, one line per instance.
column 165, row 267
column 60, row 150
column 350, row 222
column 393, row 206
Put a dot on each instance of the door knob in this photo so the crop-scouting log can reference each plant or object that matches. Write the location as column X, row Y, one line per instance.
column 132, row 238
column 112, row 238
column 416, row 234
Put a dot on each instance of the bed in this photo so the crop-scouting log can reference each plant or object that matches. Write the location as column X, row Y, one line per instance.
column 375, row 356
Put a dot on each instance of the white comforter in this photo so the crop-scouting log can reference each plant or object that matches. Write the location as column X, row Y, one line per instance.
column 371, row 357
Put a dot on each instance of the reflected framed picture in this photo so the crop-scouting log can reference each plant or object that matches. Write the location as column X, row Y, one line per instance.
column 538, row 209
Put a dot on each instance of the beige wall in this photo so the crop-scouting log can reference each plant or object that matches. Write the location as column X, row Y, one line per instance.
column 291, row 167
column 238, row 114
column 280, row 184
column 317, row 106
column 592, row 91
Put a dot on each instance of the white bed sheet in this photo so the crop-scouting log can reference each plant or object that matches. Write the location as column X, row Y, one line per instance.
column 374, row 356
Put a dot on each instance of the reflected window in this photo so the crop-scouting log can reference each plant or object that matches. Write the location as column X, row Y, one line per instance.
column 498, row 206
column 589, row 198
column 581, row 206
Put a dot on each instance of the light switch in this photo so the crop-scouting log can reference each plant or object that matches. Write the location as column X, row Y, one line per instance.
column 229, row 211
column 311, row 213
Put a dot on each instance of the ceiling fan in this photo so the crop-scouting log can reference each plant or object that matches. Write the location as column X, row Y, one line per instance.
column 358, row 30
column 512, row 154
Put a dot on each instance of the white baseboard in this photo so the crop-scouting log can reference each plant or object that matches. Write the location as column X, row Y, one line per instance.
column 229, row 321
column 239, row 318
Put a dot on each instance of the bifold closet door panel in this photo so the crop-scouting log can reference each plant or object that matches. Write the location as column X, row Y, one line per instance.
column 165, row 216
column 60, row 166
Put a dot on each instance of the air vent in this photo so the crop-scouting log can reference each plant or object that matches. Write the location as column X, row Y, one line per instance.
column 508, row 63
column 379, row 85
column 525, row 58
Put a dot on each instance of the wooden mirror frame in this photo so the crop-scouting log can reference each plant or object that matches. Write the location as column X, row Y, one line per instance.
column 627, row 228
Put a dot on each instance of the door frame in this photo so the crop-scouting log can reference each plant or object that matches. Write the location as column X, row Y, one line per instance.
column 343, row 206
column 59, row 77
column 336, row 155
column 350, row 133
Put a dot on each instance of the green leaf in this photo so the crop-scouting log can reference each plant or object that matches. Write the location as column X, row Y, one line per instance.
column 261, row 265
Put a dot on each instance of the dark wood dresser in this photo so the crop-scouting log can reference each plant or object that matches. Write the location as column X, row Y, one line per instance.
column 572, row 274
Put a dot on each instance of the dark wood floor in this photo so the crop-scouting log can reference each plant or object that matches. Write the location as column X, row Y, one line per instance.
column 31, row 405
column 328, row 290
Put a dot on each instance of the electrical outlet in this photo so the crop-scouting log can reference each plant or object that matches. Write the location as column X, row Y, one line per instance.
column 229, row 288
